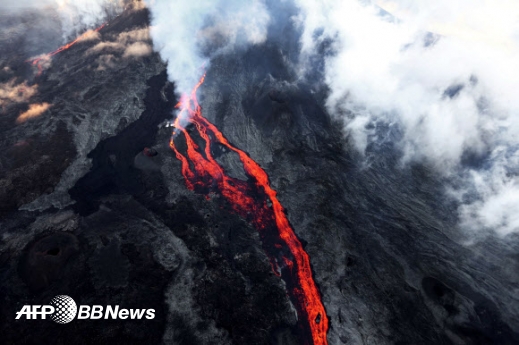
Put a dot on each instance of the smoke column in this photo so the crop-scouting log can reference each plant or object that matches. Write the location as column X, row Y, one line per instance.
column 188, row 33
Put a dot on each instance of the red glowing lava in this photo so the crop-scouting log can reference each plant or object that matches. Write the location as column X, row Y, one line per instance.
column 257, row 202
column 40, row 60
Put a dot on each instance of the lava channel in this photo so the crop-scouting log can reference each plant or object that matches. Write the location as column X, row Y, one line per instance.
column 256, row 201
column 40, row 60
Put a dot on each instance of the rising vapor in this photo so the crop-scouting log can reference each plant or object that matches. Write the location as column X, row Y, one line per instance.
column 75, row 16
column 188, row 33
column 445, row 74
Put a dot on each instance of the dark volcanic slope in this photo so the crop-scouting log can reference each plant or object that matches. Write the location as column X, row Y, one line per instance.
column 99, row 224
column 84, row 213
column 383, row 248
column 93, row 94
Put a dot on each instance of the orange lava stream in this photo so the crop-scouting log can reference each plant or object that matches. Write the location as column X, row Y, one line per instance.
column 202, row 172
column 38, row 61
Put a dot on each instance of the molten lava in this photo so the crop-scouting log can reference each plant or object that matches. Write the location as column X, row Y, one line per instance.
column 256, row 202
column 40, row 60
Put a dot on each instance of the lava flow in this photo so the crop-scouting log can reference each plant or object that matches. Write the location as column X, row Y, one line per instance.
column 40, row 60
column 256, row 202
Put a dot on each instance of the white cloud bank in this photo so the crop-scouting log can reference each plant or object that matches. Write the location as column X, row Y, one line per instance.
column 383, row 72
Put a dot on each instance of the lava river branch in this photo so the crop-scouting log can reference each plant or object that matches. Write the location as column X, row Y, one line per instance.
column 256, row 201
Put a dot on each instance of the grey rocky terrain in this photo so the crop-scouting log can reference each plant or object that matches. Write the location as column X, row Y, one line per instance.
column 84, row 213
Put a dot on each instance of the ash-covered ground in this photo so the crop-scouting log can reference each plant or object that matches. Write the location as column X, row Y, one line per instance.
column 84, row 213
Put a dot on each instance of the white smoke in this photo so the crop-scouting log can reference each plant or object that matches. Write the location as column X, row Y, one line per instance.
column 188, row 33
column 455, row 96
column 75, row 16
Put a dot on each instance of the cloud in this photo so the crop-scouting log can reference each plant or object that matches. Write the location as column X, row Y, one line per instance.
column 188, row 33
column 106, row 61
column 90, row 35
column 75, row 16
column 135, row 4
column 138, row 49
column 106, row 45
column 138, row 38
column 452, row 97
column 134, row 36
column 16, row 93
column 34, row 110
column 135, row 43
column 498, row 205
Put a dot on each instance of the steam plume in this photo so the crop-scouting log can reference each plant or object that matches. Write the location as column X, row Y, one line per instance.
column 188, row 33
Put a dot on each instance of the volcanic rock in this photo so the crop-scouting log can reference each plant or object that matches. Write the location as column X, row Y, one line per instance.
column 85, row 213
